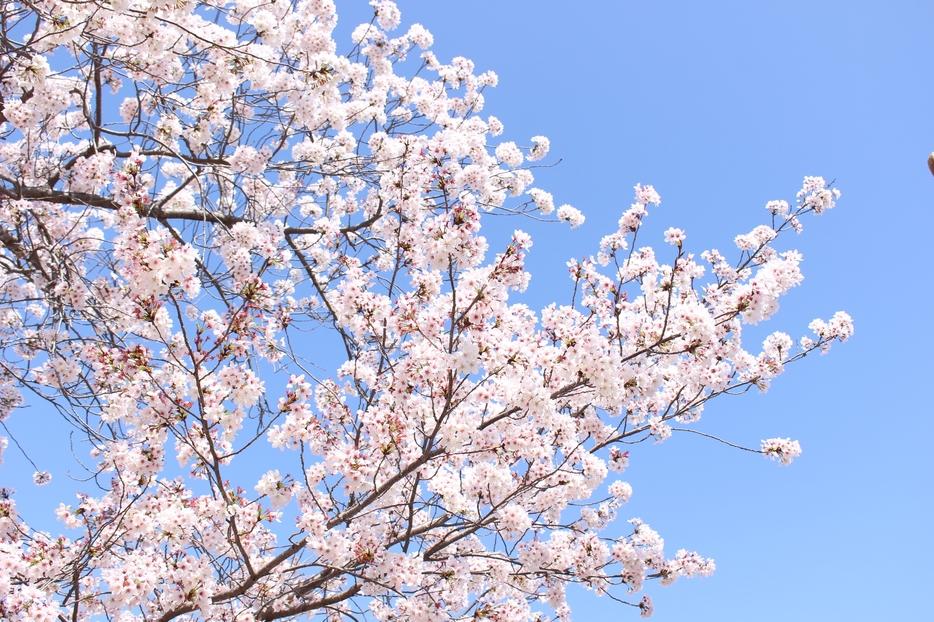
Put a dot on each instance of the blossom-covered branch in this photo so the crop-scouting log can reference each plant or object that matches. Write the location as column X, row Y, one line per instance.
column 204, row 205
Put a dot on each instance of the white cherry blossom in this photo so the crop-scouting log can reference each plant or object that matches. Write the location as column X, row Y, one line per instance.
column 246, row 261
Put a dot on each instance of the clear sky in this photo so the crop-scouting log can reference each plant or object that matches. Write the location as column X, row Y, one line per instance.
column 723, row 106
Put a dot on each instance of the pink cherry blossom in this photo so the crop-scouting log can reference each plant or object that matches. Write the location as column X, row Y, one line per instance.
column 571, row 215
column 246, row 261
column 782, row 449
column 675, row 236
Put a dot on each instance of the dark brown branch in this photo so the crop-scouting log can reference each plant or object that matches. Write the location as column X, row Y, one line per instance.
column 45, row 193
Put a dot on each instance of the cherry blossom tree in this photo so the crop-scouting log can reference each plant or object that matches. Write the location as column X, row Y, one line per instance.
column 204, row 207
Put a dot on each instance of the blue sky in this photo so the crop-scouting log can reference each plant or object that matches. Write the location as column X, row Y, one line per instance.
column 723, row 106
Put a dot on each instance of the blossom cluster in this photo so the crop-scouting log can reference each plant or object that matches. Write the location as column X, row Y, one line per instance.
column 250, row 271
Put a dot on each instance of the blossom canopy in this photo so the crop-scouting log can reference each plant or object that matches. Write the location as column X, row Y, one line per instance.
column 247, row 267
